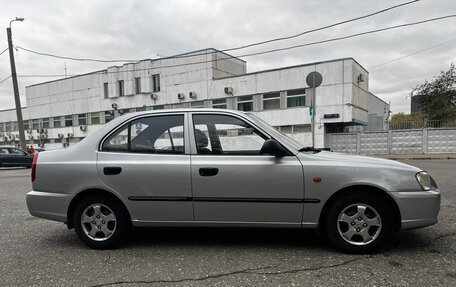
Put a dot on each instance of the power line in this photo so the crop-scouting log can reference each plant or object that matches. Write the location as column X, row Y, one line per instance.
column 5, row 79
column 229, row 49
column 3, row 51
column 322, row 28
column 285, row 48
column 347, row 37
column 72, row 58
column 409, row 55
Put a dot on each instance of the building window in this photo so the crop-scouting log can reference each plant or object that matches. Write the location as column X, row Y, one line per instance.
column 301, row 128
column 2, row 127
column 45, row 123
column 36, row 124
column 141, row 109
column 219, row 104
column 245, row 103
column 177, row 106
column 159, row 107
column 109, row 116
column 156, row 83
column 137, row 85
column 57, row 123
column 82, row 119
column 15, row 126
column 68, row 121
column 121, row 88
column 95, row 118
column 286, row 129
column 296, row 98
column 106, row 90
column 197, row 104
column 26, row 125
column 271, row 101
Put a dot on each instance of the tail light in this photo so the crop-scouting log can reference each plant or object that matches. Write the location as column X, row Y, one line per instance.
column 35, row 159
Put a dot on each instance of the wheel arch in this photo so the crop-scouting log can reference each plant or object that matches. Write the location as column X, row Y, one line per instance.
column 363, row 188
column 91, row 192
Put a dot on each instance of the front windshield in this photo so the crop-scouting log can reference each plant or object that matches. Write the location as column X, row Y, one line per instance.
column 278, row 134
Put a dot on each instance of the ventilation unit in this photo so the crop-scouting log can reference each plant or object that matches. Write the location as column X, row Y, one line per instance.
column 192, row 95
column 181, row 96
column 228, row 90
column 83, row 128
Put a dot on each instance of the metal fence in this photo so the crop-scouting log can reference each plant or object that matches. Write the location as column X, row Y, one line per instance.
column 414, row 141
column 426, row 124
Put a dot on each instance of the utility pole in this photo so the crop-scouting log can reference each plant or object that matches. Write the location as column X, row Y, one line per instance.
column 15, row 86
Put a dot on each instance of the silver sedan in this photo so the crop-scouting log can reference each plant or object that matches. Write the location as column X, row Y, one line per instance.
column 205, row 167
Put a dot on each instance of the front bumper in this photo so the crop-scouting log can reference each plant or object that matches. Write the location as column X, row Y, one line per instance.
column 418, row 208
column 47, row 205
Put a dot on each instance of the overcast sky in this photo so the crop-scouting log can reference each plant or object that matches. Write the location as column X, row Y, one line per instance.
column 145, row 29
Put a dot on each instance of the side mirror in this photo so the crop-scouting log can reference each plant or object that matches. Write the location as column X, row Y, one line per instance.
column 272, row 147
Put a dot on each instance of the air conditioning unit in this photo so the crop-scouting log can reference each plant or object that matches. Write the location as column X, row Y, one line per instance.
column 30, row 137
column 70, row 135
column 38, row 131
column 181, row 96
column 228, row 90
column 114, row 106
column 360, row 78
column 43, row 136
column 153, row 97
column 83, row 128
column 45, row 131
column 60, row 136
column 16, row 136
column 192, row 95
column 29, row 131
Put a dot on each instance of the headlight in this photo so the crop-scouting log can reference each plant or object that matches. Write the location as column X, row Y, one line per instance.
column 424, row 179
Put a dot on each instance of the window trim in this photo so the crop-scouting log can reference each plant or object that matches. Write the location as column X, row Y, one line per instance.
column 132, row 119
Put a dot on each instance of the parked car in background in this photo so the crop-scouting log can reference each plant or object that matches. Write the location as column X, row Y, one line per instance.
column 12, row 157
column 39, row 149
column 208, row 167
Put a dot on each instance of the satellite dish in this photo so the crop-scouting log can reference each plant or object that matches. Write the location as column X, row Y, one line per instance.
column 314, row 79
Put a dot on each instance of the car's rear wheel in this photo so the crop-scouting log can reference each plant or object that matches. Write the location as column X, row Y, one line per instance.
column 359, row 223
column 101, row 222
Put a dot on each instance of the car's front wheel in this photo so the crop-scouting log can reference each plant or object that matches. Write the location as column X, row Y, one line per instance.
column 101, row 222
column 359, row 223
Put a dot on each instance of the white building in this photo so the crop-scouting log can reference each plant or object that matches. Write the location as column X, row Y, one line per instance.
column 61, row 112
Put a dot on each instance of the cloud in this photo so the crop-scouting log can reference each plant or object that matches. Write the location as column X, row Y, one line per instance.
column 143, row 29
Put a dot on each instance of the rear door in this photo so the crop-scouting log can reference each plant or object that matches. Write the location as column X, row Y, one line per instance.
column 233, row 182
column 147, row 161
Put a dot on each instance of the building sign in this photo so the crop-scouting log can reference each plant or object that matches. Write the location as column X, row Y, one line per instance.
column 331, row 116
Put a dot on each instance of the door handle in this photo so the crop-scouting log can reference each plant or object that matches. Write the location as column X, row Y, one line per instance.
column 208, row 171
column 112, row 170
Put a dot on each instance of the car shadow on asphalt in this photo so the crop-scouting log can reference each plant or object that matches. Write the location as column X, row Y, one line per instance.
column 217, row 237
column 283, row 238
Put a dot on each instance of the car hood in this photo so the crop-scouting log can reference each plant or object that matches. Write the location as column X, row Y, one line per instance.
column 357, row 160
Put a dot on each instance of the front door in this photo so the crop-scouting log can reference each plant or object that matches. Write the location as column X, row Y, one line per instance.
column 147, row 162
column 233, row 182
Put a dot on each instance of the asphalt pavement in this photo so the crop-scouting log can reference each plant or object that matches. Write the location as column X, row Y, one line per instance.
column 44, row 253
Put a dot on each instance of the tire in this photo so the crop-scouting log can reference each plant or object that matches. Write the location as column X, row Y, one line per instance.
column 359, row 223
column 104, row 227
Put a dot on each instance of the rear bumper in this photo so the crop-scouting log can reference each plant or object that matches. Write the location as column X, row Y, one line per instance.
column 418, row 208
column 47, row 205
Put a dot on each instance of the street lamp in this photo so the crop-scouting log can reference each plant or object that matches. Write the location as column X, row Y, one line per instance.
column 15, row 86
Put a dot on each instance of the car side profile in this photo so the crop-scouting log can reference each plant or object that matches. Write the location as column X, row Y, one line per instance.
column 208, row 167
column 14, row 157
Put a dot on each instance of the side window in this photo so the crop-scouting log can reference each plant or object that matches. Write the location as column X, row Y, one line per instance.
column 118, row 141
column 4, row 151
column 16, row 151
column 157, row 134
column 226, row 135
